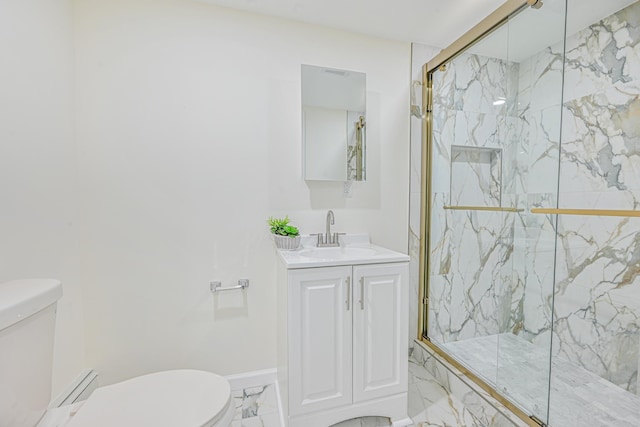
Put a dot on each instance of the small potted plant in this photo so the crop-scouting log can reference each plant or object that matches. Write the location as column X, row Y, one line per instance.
column 287, row 237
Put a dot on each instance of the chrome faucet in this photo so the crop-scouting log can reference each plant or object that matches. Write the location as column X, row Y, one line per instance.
column 330, row 221
column 329, row 239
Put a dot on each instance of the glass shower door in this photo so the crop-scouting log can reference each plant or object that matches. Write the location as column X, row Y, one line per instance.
column 524, row 351
column 533, row 257
column 596, row 328
column 496, row 111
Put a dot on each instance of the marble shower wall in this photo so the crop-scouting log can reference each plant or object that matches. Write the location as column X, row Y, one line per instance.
column 538, row 131
column 474, row 148
column 494, row 272
column 597, row 295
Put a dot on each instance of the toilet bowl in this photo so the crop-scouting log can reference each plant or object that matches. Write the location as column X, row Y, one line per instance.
column 185, row 398
column 178, row 398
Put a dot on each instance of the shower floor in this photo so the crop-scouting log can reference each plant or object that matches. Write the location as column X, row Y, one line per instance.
column 520, row 370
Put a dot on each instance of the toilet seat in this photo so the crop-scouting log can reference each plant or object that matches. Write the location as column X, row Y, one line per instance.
column 185, row 398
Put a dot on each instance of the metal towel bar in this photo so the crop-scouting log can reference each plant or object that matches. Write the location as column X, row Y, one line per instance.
column 216, row 285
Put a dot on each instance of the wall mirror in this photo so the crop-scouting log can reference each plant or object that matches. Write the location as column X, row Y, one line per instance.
column 333, row 124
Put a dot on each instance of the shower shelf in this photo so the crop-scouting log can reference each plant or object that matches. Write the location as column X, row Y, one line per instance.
column 592, row 212
column 483, row 208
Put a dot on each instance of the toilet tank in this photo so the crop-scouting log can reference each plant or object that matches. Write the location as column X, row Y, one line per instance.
column 27, row 321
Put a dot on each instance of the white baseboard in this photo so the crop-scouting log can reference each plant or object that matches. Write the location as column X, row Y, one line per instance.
column 403, row 423
column 79, row 389
column 252, row 379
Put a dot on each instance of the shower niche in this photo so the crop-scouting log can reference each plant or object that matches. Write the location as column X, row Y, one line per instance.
column 476, row 176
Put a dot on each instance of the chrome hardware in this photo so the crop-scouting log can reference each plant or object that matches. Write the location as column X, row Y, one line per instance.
column 318, row 238
column 330, row 221
column 328, row 239
column 362, row 293
column 360, row 124
column 348, row 301
column 216, row 286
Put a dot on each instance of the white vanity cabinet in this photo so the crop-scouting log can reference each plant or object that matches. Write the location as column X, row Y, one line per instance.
column 344, row 341
column 320, row 339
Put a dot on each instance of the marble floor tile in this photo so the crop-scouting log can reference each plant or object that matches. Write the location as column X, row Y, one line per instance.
column 268, row 420
column 430, row 405
column 520, row 370
column 256, row 407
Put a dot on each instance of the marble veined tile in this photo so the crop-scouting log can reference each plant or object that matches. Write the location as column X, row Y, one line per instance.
column 541, row 86
column 597, row 296
column 473, row 83
column 623, row 200
column 541, row 128
column 439, row 395
column 256, row 406
column 603, row 54
column 444, row 121
column 431, row 404
column 439, row 401
column 478, row 129
column 471, row 272
column 259, row 401
column 577, row 397
column 601, row 141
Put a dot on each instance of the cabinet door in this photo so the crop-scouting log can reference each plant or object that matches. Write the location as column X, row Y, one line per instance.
column 320, row 343
column 380, row 330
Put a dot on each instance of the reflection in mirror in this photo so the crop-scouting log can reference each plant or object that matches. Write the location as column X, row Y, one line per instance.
column 333, row 124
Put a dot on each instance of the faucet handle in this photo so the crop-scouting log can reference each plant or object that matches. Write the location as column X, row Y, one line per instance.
column 335, row 238
column 319, row 240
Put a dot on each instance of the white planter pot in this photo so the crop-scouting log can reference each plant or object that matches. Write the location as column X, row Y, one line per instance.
column 287, row 243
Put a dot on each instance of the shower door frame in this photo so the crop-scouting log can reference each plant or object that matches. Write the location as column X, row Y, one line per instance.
column 492, row 22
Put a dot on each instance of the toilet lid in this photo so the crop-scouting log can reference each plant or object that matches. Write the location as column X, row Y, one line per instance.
column 185, row 398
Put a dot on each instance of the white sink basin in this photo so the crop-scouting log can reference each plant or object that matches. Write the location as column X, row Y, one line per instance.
column 354, row 249
column 338, row 253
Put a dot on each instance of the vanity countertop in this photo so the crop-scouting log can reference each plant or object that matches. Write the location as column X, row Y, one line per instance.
column 354, row 249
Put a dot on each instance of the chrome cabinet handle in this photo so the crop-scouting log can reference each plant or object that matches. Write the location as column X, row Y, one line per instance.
column 362, row 293
column 348, row 301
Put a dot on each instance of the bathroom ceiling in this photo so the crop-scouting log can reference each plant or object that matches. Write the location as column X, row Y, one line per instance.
column 439, row 22
column 432, row 22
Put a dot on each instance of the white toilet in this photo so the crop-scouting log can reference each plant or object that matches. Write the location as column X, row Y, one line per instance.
column 184, row 398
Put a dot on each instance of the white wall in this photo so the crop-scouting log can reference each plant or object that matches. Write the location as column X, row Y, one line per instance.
column 37, row 162
column 189, row 138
